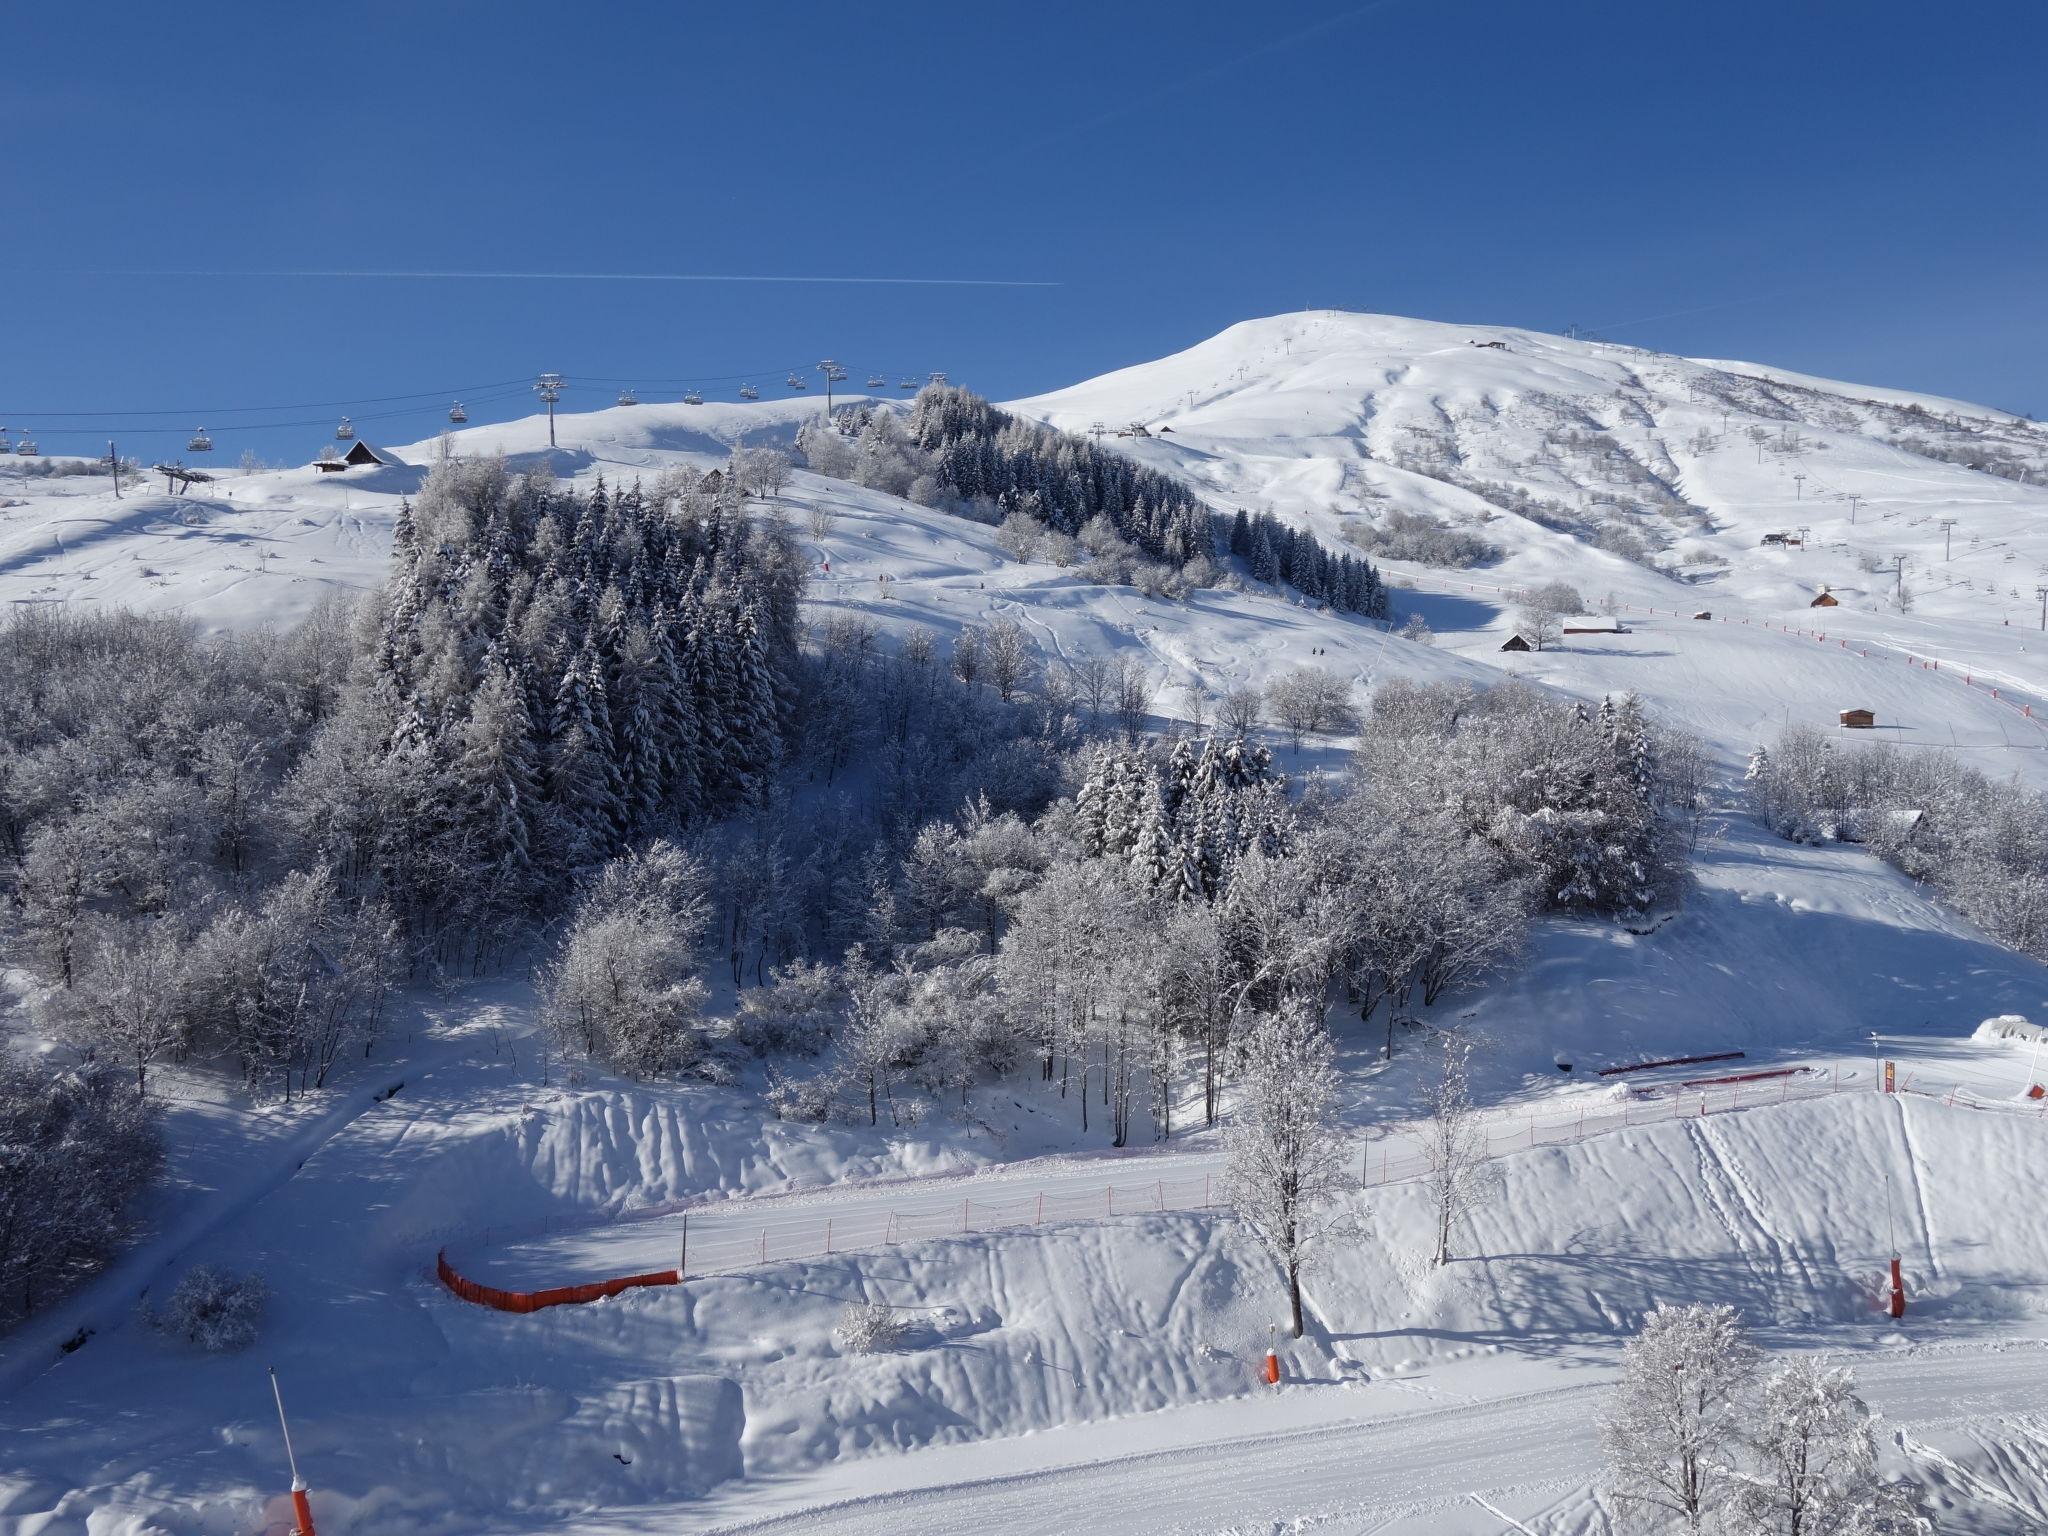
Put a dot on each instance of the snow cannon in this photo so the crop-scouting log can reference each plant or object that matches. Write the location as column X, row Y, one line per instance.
column 1897, row 1307
column 302, row 1508
column 1272, row 1369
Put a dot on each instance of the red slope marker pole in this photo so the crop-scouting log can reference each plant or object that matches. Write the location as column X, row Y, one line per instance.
column 301, row 1508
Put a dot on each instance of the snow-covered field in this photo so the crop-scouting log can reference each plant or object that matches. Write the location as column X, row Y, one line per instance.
column 1102, row 1366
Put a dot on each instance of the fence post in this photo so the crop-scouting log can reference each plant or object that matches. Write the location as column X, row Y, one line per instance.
column 764, row 1245
column 1038, row 1220
column 1111, row 1192
column 1159, row 1190
column 828, row 1234
column 963, row 1214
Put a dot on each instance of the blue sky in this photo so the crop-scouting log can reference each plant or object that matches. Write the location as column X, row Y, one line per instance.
column 1848, row 189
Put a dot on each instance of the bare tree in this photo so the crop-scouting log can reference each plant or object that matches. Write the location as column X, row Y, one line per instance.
column 1240, row 710
column 1133, row 692
column 1540, row 611
column 1675, row 1425
column 128, row 999
column 967, row 655
column 762, row 472
column 1309, row 700
column 1460, row 1176
column 1092, row 675
column 1008, row 657
column 1283, row 1158
column 820, row 518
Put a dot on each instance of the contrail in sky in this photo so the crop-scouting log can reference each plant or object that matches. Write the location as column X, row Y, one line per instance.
column 1699, row 309
column 601, row 277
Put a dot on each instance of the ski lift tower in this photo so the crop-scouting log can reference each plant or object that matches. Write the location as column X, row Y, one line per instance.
column 834, row 374
column 549, row 387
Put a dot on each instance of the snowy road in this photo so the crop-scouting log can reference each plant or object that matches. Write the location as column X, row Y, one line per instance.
column 1343, row 1463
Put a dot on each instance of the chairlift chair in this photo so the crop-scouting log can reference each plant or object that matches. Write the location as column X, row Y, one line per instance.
column 797, row 381
column 876, row 381
column 457, row 414
column 627, row 397
column 693, row 398
column 748, row 392
column 346, row 431
column 200, row 443
column 906, row 383
column 27, row 448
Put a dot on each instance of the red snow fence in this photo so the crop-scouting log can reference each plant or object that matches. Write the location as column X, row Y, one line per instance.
column 559, row 1296
column 1671, row 1061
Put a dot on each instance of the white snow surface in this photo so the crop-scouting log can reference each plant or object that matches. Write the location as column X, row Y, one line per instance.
column 1097, row 1365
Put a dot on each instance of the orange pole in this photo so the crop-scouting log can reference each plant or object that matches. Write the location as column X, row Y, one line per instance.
column 302, row 1509
column 1898, row 1307
column 1273, row 1366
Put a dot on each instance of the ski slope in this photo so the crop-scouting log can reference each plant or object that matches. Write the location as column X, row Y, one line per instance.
column 1104, row 1365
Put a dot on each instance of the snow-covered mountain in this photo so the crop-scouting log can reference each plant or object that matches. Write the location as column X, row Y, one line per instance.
column 1648, row 482
column 1121, row 1328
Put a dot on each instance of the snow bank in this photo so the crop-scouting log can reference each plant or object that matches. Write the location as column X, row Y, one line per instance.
column 2009, row 1026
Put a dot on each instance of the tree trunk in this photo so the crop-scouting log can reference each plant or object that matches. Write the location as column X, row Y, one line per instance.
column 1294, row 1293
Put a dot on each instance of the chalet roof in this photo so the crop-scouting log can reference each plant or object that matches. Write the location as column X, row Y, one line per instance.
column 1593, row 623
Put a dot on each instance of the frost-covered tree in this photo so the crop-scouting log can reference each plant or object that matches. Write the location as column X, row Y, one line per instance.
column 1675, row 1427
column 1460, row 1177
column 76, row 1147
column 129, row 1000
column 1814, row 1461
column 1007, row 657
column 213, row 1308
column 624, row 986
column 1283, row 1155
column 1309, row 701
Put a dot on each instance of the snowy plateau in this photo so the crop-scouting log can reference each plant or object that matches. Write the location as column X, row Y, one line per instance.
column 1076, row 1321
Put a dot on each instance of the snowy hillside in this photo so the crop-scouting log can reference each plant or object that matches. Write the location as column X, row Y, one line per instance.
column 1082, row 1324
column 1560, row 453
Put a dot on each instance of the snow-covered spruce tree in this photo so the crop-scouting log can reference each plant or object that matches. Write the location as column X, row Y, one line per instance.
column 624, row 987
column 1283, row 1156
column 1674, row 1430
column 1813, row 1468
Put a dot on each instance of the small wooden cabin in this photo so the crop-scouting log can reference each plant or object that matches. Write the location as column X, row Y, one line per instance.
column 1826, row 599
column 1859, row 719
column 359, row 455
column 1704, row 613
column 1516, row 643
column 1592, row 624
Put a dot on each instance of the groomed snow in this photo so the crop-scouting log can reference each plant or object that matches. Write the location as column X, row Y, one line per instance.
column 1121, row 1349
